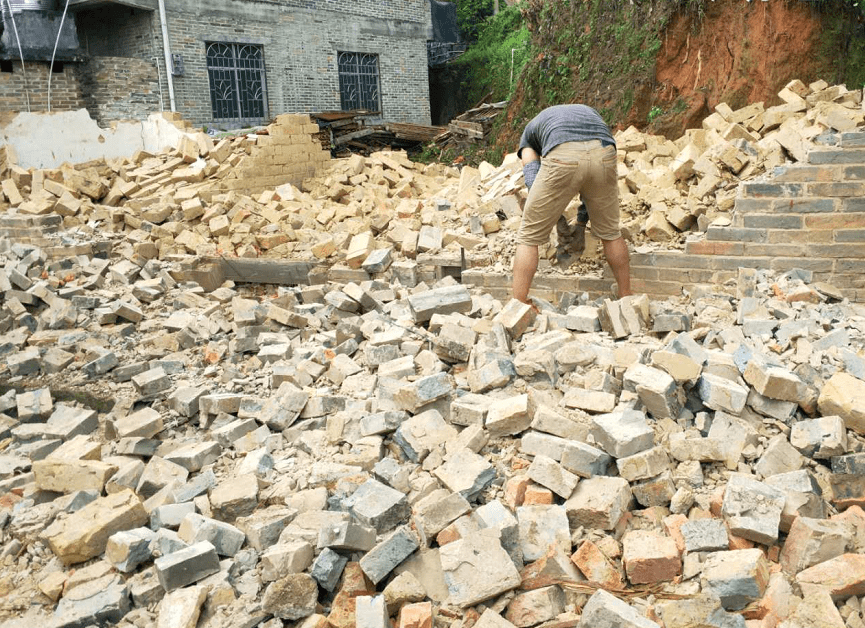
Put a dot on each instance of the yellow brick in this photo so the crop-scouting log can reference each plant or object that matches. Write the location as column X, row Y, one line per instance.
column 292, row 119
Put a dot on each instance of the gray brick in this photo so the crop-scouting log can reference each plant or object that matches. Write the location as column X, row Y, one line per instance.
column 736, row 234
column 771, row 190
column 772, row 221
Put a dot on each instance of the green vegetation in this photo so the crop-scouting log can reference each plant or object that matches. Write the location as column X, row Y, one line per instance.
column 844, row 40
column 493, row 64
column 603, row 53
column 599, row 52
column 471, row 15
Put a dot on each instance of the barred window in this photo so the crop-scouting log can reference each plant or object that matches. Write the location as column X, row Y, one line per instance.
column 358, row 81
column 237, row 85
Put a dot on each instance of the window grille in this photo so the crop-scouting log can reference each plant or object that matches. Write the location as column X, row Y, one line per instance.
column 238, row 91
column 358, row 81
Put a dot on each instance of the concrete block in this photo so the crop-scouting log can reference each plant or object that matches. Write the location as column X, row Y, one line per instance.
column 643, row 465
column 388, row 554
column 844, row 395
column 541, row 526
column 128, row 549
column 423, row 432
column 327, row 568
column 584, row 460
column 605, row 609
column 224, row 537
column 820, row 438
column 85, row 533
column 291, row 598
column 719, row 393
column 546, row 472
column 752, row 509
column 466, row 473
column 599, row 502
column 656, row 389
column 425, row 390
column 736, row 577
column 186, row 566
column 282, row 559
column 537, row 606
column 622, row 434
column 705, row 535
column 813, row 541
column 477, row 568
column 509, row 416
column 377, row 505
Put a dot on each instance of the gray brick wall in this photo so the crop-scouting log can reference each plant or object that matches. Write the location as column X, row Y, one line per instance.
column 300, row 40
column 118, row 88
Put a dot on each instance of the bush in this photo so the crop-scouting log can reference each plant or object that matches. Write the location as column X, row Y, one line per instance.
column 494, row 63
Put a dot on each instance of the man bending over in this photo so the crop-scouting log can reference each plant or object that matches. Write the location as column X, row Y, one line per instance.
column 568, row 150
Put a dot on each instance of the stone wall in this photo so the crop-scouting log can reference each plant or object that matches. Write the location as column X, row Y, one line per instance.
column 117, row 88
column 66, row 94
column 300, row 42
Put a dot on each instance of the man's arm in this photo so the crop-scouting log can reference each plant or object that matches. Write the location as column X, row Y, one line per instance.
column 531, row 165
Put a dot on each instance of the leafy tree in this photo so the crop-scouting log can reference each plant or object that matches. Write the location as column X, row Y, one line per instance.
column 494, row 63
column 471, row 15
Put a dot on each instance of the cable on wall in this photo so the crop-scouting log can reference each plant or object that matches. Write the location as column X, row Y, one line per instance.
column 21, row 54
column 54, row 54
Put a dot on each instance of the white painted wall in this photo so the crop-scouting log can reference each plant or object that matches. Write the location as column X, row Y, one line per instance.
column 46, row 140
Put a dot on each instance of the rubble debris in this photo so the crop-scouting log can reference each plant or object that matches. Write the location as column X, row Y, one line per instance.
column 369, row 445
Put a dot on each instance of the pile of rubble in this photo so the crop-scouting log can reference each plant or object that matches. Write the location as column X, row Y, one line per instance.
column 698, row 175
column 395, row 452
column 200, row 199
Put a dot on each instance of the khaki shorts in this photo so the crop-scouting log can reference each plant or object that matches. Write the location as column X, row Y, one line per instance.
column 584, row 168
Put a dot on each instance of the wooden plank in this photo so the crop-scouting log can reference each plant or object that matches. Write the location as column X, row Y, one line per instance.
column 468, row 132
column 342, row 139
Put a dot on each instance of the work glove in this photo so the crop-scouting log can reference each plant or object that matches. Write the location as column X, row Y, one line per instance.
column 530, row 171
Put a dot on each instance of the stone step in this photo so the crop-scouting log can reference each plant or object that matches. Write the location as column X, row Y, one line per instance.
column 834, row 189
column 852, row 139
column 803, row 205
column 803, row 173
column 851, row 155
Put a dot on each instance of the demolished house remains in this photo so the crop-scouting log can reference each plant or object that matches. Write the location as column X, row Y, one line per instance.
column 247, row 384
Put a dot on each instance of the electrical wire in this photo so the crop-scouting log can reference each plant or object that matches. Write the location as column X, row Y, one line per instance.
column 21, row 54
column 53, row 54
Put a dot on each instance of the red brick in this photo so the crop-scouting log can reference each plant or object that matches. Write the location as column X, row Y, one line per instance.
column 841, row 576
column 673, row 527
column 649, row 557
column 418, row 615
column 537, row 495
column 595, row 566
column 515, row 491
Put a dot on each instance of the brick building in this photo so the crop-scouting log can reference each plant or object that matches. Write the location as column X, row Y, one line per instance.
column 244, row 61
column 234, row 62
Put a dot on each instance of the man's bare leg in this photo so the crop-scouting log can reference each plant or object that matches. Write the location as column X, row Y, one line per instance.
column 616, row 252
column 525, row 266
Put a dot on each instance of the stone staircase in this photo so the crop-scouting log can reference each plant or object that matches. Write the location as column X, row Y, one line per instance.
column 809, row 216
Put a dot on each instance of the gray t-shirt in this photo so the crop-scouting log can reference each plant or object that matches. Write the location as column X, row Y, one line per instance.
column 564, row 123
